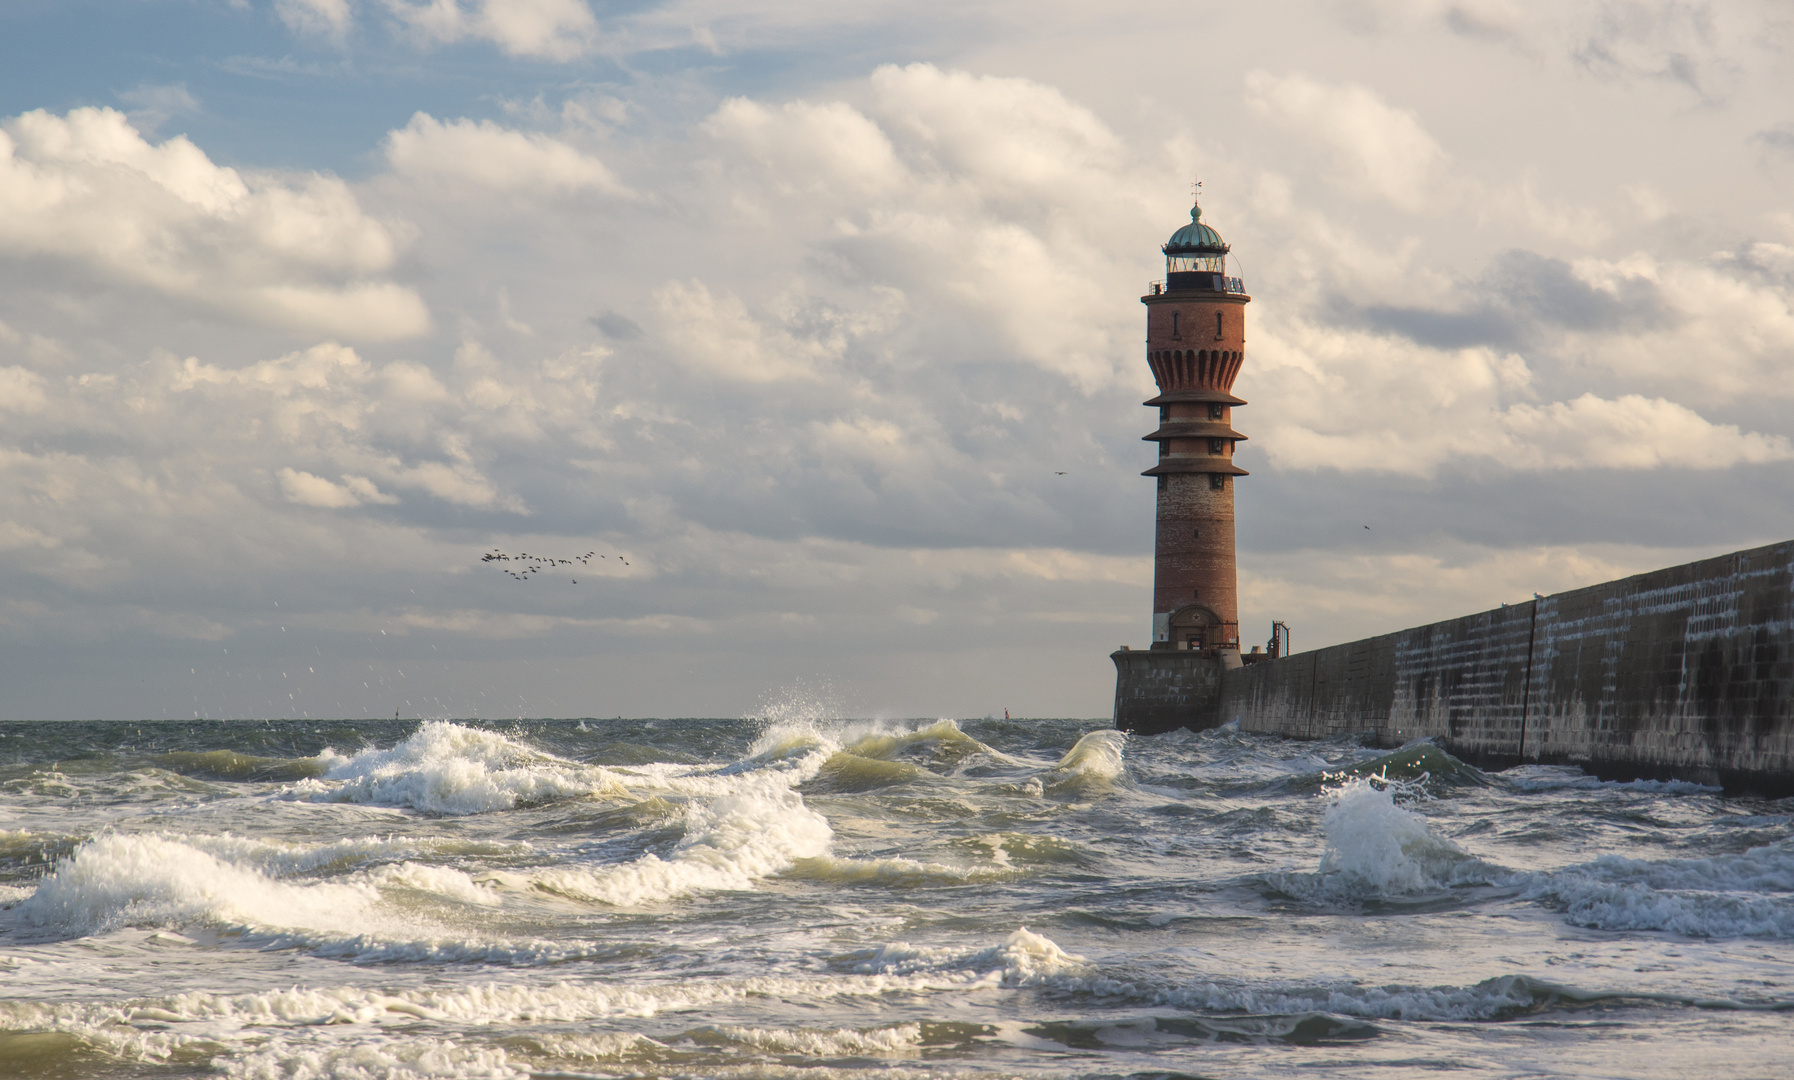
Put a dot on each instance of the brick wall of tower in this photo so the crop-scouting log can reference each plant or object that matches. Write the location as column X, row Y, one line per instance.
column 1195, row 347
column 1182, row 345
column 1193, row 553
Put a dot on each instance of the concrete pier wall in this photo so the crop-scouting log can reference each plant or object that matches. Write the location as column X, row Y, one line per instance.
column 1684, row 673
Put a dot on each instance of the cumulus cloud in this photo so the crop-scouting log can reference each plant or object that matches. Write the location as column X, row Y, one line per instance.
column 290, row 251
column 538, row 29
column 1374, row 147
column 1357, row 401
column 484, row 156
column 995, row 202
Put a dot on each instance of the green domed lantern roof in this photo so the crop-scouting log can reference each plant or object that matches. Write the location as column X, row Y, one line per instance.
column 1195, row 238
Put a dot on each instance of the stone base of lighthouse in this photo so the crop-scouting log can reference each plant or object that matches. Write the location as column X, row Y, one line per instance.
column 1162, row 690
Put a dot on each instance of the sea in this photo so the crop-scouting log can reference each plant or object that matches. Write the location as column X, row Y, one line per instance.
column 796, row 896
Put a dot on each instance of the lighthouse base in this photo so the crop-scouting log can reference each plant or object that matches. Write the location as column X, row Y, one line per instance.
column 1162, row 690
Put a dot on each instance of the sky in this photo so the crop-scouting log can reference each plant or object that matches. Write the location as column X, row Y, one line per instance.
column 815, row 329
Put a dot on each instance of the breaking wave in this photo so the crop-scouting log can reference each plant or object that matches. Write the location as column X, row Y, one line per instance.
column 1091, row 767
column 1378, row 849
column 445, row 768
column 1750, row 894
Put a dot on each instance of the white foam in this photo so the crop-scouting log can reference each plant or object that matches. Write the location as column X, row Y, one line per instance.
column 371, row 1057
column 808, row 1042
column 1750, row 894
column 175, row 882
column 444, row 768
column 760, row 829
column 1024, row 959
column 114, row 880
column 1378, row 848
column 1534, row 778
column 897, row 871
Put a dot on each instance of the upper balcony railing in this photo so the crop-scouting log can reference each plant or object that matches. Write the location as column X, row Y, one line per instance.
column 1199, row 281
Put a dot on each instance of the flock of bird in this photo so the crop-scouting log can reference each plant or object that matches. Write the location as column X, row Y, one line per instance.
column 535, row 564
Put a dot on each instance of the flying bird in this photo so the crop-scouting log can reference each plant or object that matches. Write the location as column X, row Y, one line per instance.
column 535, row 564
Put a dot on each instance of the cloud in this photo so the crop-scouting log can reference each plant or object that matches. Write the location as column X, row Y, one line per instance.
column 152, row 105
column 1778, row 138
column 21, row 390
column 292, row 251
column 325, row 18
column 538, row 29
column 1373, row 146
column 1673, row 40
column 1351, row 401
column 994, row 204
column 1524, row 297
column 486, row 156
column 308, row 490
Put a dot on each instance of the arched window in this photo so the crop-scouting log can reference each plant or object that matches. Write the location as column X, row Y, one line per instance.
column 1174, row 324
column 1217, row 326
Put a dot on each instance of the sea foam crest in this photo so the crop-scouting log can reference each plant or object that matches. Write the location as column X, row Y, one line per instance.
column 445, row 768
column 759, row 829
column 1378, row 848
column 116, row 880
column 1093, row 765
column 1023, row 959
column 1748, row 894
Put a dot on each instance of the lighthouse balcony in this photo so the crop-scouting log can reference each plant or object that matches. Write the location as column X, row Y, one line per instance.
column 1198, row 281
column 1195, row 463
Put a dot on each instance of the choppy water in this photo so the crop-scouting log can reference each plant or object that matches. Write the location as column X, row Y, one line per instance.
column 812, row 898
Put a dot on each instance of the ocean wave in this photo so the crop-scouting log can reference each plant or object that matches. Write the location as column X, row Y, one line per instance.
column 895, row 871
column 849, row 772
column 231, row 765
column 1501, row 998
column 1749, row 894
column 1091, row 767
column 1378, row 849
column 1023, row 959
column 1541, row 778
column 1167, row 1032
column 115, row 881
column 730, row 842
column 444, row 768
column 1420, row 763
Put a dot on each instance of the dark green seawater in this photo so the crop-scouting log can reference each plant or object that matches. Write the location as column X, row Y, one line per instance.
column 807, row 897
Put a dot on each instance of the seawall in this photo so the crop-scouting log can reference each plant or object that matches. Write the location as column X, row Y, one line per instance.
column 1683, row 673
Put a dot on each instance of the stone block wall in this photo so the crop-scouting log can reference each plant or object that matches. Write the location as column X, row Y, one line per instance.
column 1686, row 672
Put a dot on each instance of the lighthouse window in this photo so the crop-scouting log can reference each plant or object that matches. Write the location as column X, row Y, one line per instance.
column 1174, row 324
column 1161, row 483
column 1164, row 447
column 1216, row 411
column 1196, row 534
column 1217, row 325
column 1217, row 481
column 1195, row 594
column 1214, row 446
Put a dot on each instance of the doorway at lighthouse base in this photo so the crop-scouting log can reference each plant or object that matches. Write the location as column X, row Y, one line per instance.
column 1197, row 628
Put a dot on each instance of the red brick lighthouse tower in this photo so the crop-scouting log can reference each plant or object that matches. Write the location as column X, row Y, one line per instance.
column 1195, row 344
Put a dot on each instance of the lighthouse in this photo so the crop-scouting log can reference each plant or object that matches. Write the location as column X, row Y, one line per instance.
column 1195, row 345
